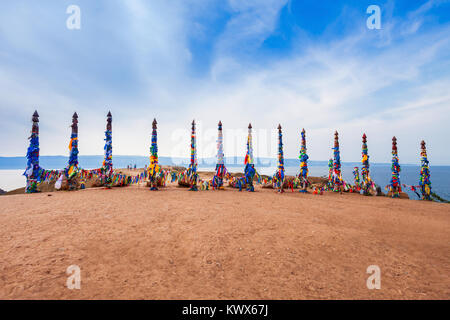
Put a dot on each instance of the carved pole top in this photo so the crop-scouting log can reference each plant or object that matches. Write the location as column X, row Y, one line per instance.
column 394, row 144
column 35, row 120
column 108, row 121
column 75, row 123
column 35, row 117
column 423, row 145
column 336, row 139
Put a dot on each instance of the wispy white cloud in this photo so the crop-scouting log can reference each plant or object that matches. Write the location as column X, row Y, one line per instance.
column 135, row 58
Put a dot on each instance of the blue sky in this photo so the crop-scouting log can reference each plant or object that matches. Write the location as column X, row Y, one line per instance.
column 311, row 64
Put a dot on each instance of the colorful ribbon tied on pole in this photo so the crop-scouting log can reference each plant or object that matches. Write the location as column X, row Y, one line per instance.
column 330, row 174
column 337, row 176
column 154, row 170
column 356, row 179
column 394, row 186
column 72, row 167
column 279, row 178
column 192, row 170
column 424, row 182
column 217, row 182
column 367, row 182
column 303, row 175
column 32, row 169
column 249, row 170
column 107, row 168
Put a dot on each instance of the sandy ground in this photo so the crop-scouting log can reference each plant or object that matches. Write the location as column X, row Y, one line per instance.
column 132, row 243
